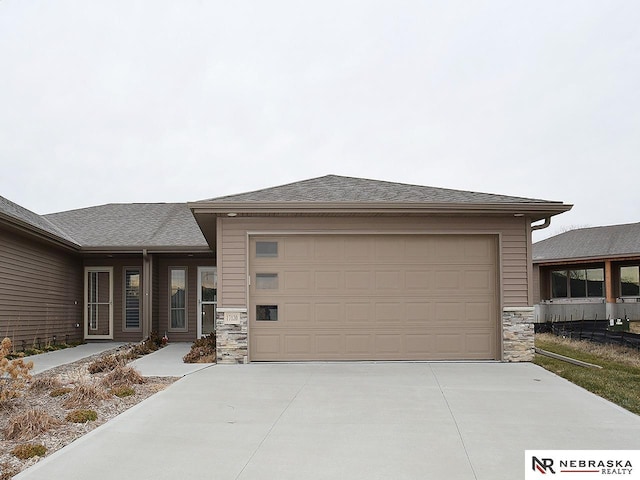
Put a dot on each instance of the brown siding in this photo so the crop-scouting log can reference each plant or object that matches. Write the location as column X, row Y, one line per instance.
column 192, row 265
column 40, row 292
column 232, row 236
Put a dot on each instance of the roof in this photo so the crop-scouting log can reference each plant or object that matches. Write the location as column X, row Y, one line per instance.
column 590, row 243
column 337, row 195
column 142, row 225
column 21, row 217
column 335, row 188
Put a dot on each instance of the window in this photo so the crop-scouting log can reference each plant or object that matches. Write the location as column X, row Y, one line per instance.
column 267, row 313
column 178, row 299
column 266, row 281
column 132, row 298
column 577, row 283
column 266, row 249
column 630, row 281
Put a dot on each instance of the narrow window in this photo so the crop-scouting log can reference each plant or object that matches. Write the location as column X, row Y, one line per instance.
column 578, row 283
column 178, row 298
column 595, row 282
column 630, row 281
column 132, row 298
column 266, row 281
column 267, row 313
column 266, row 249
column 559, row 284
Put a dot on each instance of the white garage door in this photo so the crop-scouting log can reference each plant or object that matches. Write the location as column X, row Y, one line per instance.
column 373, row 297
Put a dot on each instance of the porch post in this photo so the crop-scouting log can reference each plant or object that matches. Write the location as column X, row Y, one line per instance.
column 610, row 297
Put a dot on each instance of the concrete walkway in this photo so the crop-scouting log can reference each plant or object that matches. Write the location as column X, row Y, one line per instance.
column 454, row 421
column 167, row 362
column 46, row 361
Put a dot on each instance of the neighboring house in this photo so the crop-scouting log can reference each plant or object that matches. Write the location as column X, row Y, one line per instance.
column 331, row 268
column 588, row 273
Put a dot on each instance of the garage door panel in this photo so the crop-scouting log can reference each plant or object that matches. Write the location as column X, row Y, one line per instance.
column 386, row 297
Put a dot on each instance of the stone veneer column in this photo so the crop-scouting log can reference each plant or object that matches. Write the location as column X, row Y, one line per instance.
column 517, row 334
column 231, row 335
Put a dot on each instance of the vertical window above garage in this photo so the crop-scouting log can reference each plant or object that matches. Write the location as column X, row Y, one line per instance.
column 178, row 299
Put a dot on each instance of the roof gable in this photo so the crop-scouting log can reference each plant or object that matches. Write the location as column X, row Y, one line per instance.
column 132, row 225
column 20, row 216
column 588, row 243
column 339, row 189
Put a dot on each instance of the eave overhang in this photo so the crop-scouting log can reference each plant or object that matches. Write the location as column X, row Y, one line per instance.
column 40, row 234
column 622, row 257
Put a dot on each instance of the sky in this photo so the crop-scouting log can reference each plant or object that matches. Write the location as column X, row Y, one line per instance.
column 124, row 101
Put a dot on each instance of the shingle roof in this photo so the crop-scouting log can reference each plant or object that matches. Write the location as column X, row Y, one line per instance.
column 335, row 188
column 23, row 216
column 585, row 243
column 132, row 225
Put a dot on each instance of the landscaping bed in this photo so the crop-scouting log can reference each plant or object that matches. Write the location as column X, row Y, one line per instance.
column 60, row 405
column 617, row 381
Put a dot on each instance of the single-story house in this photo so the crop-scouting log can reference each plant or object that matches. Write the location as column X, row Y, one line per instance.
column 588, row 273
column 331, row 268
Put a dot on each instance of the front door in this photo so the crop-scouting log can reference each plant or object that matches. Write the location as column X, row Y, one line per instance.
column 98, row 303
column 207, row 300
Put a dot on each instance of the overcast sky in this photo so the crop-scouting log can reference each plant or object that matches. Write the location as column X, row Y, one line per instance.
column 158, row 101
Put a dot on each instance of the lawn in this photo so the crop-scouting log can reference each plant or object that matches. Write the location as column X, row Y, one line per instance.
column 619, row 379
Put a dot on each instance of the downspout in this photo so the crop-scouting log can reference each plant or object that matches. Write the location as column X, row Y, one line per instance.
column 545, row 224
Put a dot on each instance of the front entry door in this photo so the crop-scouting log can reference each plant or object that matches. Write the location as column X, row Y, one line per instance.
column 98, row 303
column 207, row 300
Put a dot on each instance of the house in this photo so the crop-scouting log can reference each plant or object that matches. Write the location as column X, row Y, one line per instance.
column 331, row 268
column 588, row 273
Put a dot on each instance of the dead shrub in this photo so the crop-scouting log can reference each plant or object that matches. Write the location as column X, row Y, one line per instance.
column 122, row 375
column 203, row 350
column 58, row 392
column 43, row 383
column 82, row 416
column 123, row 391
column 84, row 395
column 28, row 425
column 7, row 472
column 106, row 364
column 14, row 374
column 29, row 450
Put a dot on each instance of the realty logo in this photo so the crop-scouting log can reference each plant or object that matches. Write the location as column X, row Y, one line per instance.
column 542, row 465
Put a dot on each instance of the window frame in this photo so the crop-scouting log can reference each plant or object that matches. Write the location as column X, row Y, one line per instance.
column 185, row 308
column 125, row 307
column 569, row 278
column 637, row 267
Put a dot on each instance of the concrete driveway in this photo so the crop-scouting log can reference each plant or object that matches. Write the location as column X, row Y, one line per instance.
column 346, row 421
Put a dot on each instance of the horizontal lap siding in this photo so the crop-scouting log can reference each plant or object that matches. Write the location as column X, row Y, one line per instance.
column 232, row 238
column 40, row 292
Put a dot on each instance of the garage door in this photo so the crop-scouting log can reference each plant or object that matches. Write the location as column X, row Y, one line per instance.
column 373, row 297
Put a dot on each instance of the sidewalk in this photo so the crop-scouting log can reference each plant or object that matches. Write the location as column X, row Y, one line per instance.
column 167, row 362
column 46, row 361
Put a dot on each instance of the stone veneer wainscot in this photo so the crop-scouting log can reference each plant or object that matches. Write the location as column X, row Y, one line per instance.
column 517, row 334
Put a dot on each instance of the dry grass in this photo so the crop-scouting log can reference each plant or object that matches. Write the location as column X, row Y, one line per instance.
column 30, row 424
column 106, row 364
column 616, row 381
column 612, row 353
column 44, row 383
column 85, row 394
column 122, row 375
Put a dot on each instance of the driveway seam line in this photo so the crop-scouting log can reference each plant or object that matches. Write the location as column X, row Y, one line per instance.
column 264, row 439
column 455, row 422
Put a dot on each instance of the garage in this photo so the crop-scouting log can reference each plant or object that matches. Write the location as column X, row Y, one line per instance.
column 373, row 297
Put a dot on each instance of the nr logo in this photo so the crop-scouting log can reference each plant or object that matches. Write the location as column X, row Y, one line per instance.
column 542, row 465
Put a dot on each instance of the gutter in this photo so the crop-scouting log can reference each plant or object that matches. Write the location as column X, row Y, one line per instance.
column 545, row 224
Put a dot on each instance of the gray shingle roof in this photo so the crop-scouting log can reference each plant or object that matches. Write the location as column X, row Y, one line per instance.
column 595, row 242
column 22, row 215
column 132, row 225
column 335, row 188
